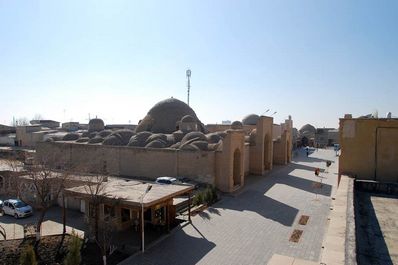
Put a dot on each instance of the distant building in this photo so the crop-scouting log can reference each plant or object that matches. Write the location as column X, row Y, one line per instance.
column 326, row 137
column 71, row 126
column 46, row 123
column 227, row 122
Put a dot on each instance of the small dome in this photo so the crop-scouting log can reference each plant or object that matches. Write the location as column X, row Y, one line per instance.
column 188, row 118
column 82, row 140
column 157, row 136
column 202, row 145
column 96, row 125
column 139, row 139
column 213, row 138
column 156, row 144
column 250, row 119
column 124, row 135
column 113, row 140
column 70, row 137
column 236, row 125
column 190, row 147
column 96, row 140
column 192, row 135
column 104, row 133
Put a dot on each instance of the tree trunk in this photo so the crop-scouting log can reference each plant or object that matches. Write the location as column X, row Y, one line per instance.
column 39, row 222
column 63, row 216
column 96, row 210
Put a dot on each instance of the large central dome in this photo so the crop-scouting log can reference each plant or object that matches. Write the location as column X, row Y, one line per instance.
column 165, row 115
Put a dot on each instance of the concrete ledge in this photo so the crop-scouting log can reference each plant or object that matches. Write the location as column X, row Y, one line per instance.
column 339, row 243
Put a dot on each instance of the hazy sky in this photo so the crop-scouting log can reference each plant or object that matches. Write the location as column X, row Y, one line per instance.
column 314, row 60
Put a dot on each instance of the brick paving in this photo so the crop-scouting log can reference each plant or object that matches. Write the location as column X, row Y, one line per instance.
column 250, row 226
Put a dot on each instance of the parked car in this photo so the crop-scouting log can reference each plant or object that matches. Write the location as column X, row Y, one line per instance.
column 166, row 180
column 16, row 208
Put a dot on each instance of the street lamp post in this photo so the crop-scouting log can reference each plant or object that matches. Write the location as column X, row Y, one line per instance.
column 148, row 188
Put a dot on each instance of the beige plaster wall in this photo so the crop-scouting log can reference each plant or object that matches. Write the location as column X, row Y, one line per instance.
column 261, row 151
column 134, row 161
column 235, row 139
column 369, row 149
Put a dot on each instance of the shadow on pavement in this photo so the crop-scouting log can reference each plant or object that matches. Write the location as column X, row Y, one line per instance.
column 371, row 246
column 191, row 252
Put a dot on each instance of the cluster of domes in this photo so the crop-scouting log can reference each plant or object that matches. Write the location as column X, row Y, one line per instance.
column 171, row 123
column 194, row 140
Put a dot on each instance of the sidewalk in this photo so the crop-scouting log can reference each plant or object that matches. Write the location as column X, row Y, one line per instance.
column 253, row 225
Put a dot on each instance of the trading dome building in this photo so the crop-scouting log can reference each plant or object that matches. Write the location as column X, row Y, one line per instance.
column 171, row 141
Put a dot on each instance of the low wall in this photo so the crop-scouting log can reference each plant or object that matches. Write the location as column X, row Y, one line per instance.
column 134, row 161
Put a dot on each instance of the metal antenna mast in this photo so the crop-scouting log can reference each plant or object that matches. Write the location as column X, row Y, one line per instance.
column 188, row 72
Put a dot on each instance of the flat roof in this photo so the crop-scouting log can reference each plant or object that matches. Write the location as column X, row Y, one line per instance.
column 5, row 165
column 130, row 191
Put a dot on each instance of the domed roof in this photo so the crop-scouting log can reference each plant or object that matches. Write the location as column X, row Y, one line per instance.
column 164, row 116
column 236, row 125
column 250, row 119
column 71, row 137
column 96, row 125
column 308, row 128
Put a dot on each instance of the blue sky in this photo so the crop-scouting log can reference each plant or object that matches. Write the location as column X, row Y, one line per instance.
column 314, row 60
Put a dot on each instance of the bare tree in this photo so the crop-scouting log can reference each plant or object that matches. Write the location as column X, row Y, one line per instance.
column 37, row 116
column 105, row 237
column 22, row 121
column 3, row 233
column 48, row 185
column 95, row 187
column 14, row 180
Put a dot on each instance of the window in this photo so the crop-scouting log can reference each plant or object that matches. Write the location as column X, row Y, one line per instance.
column 125, row 214
column 109, row 210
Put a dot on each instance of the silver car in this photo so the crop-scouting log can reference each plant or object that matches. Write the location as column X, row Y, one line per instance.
column 16, row 208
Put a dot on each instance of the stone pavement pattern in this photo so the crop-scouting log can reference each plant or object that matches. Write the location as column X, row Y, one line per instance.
column 251, row 226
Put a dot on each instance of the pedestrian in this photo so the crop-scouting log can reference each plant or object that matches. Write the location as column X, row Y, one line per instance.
column 307, row 150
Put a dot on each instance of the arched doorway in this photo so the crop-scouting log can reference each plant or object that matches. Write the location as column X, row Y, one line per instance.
column 266, row 153
column 236, row 172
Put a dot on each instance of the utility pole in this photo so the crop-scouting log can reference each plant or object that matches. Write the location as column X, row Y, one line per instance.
column 188, row 73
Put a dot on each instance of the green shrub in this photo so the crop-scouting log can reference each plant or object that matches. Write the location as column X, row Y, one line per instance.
column 28, row 256
column 73, row 257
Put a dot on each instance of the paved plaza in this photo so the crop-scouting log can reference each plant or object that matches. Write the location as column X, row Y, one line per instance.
column 250, row 226
column 52, row 224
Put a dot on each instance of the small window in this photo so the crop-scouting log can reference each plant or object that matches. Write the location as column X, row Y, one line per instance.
column 109, row 210
column 125, row 214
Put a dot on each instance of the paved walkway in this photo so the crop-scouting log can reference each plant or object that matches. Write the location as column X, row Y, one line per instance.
column 52, row 224
column 251, row 226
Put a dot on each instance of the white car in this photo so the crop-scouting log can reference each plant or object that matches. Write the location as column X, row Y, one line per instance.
column 166, row 180
column 16, row 208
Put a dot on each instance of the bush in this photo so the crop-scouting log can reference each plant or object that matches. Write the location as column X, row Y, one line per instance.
column 198, row 199
column 73, row 257
column 28, row 256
